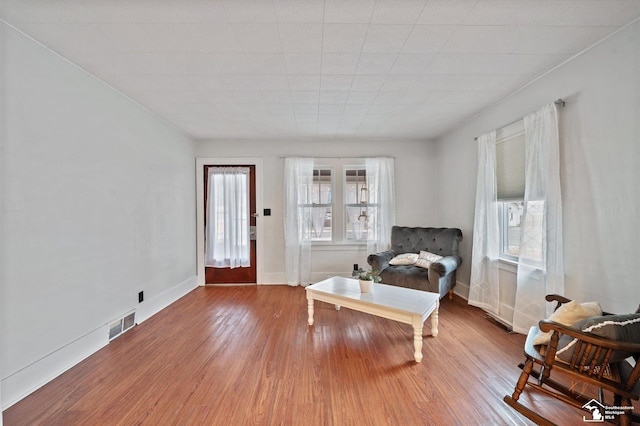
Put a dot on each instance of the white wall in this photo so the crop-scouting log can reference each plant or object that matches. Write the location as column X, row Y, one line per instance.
column 98, row 203
column 416, row 189
column 600, row 163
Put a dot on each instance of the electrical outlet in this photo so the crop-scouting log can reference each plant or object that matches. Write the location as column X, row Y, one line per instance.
column 141, row 297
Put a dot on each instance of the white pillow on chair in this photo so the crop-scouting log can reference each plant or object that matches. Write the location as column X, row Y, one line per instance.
column 568, row 314
column 426, row 259
column 404, row 259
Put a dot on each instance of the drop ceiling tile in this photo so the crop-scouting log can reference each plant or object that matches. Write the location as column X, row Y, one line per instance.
column 355, row 111
column 305, row 97
column 218, row 68
column 208, row 81
column 367, row 83
column 471, row 82
column 361, row 98
column 375, row 63
column 412, row 63
column 213, row 63
column 348, row 12
column 397, row 11
column 303, row 63
column 304, row 82
column 155, row 81
column 488, row 64
column 91, row 38
column 446, row 12
column 428, row 38
column 266, row 63
column 258, row 38
column 548, row 13
column 331, row 109
column 167, row 37
column 179, row 96
column 336, row 82
column 276, row 97
column 310, row 117
column 333, row 96
column 272, row 82
column 523, row 40
column 250, row 11
column 301, row 37
column 241, row 82
column 299, row 11
column 399, row 83
column 144, row 11
column 203, row 11
column 385, row 38
column 222, row 97
column 339, row 63
column 247, row 96
column 213, row 38
column 343, row 38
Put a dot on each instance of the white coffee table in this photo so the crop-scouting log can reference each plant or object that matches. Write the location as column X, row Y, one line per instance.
column 396, row 303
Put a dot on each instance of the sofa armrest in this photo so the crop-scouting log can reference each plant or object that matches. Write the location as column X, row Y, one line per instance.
column 380, row 261
column 446, row 265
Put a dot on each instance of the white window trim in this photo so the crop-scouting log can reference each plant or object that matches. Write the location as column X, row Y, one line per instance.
column 338, row 167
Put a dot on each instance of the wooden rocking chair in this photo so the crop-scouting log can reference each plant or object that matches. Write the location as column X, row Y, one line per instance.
column 590, row 364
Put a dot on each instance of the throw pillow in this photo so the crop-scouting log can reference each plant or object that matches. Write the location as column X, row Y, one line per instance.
column 426, row 259
column 404, row 259
column 569, row 314
column 625, row 328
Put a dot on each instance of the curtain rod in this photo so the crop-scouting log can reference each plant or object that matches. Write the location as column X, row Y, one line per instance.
column 559, row 102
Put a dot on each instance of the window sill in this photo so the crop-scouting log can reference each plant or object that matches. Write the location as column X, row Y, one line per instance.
column 329, row 246
column 508, row 265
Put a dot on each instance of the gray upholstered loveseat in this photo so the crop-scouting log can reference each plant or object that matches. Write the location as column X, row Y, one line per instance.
column 440, row 277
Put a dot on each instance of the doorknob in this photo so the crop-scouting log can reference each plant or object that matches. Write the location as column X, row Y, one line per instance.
column 255, row 214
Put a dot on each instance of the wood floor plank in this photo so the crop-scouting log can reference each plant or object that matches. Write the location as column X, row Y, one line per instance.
column 246, row 356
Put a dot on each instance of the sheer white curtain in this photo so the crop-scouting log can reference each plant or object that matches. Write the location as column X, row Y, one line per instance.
column 227, row 230
column 298, row 179
column 381, row 193
column 484, row 288
column 540, row 264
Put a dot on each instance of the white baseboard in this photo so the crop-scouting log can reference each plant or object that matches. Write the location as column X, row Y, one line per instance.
column 27, row 380
column 23, row 382
column 148, row 308
column 506, row 311
column 280, row 278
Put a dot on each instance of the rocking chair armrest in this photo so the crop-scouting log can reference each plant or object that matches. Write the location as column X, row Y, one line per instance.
column 557, row 328
column 557, row 298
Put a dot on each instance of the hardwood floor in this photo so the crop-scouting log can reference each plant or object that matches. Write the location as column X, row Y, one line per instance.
column 245, row 355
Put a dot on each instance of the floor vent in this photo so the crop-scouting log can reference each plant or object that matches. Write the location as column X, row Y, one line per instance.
column 119, row 326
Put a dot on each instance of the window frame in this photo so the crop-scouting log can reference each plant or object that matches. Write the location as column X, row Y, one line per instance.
column 505, row 135
column 503, row 224
column 360, row 205
column 332, row 186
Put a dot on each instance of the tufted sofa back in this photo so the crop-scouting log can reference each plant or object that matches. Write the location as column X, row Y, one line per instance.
column 440, row 241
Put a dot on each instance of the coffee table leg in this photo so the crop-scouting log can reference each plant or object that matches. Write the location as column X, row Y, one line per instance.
column 417, row 338
column 310, row 309
column 434, row 320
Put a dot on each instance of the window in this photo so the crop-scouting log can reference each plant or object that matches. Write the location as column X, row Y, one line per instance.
column 344, row 202
column 510, row 182
column 509, row 218
column 321, row 203
column 360, row 213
